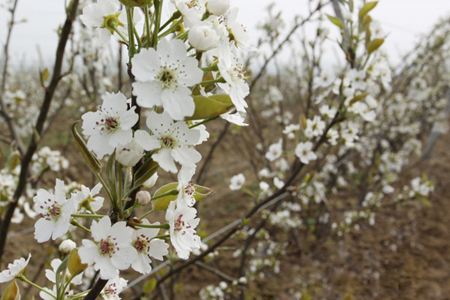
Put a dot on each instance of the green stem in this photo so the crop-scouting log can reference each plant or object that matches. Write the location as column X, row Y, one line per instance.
column 124, row 38
column 87, row 216
column 208, row 82
column 146, row 214
column 131, row 45
column 166, row 236
column 75, row 223
column 203, row 122
column 147, row 23
column 163, row 226
column 158, row 12
column 26, row 280
column 172, row 18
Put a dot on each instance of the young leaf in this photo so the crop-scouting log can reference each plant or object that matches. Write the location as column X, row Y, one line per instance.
column 336, row 21
column 367, row 8
column 374, row 45
column 211, row 107
column 11, row 292
column 74, row 263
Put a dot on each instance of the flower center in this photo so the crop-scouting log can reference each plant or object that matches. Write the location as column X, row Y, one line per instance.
column 179, row 223
column 167, row 78
column 192, row 3
column 54, row 211
column 111, row 22
column 189, row 189
column 111, row 289
column 167, row 142
column 107, row 246
column 141, row 244
column 111, row 124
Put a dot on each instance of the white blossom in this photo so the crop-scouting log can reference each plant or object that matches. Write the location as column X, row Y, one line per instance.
column 237, row 182
column 171, row 142
column 110, row 126
column 304, row 152
column 147, row 246
column 111, row 249
column 55, row 211
column 182, row 221
column 14, row 269
column 164, row 76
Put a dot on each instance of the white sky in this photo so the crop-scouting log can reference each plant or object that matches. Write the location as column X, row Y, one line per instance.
column 403, row 20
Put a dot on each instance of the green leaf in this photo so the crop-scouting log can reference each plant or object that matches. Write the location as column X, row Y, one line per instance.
column 211, row 107
column 374, row 45
column 11, row 292
column 43, row 76
column 74, row 263
column 336, row 21
column 367, row 8
column 169, row 192
column 164, row 195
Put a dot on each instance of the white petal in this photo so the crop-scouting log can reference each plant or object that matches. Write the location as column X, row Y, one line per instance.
column 165, row 160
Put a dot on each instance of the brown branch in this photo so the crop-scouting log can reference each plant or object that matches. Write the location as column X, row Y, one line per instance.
column 43, row 113
column 3, row 113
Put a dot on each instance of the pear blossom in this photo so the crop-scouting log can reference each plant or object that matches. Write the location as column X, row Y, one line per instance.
column 111, row 249
column 218, row 7
column 50, row 274
column 171, row 142
column 110, row 126
column 237, row 118
column 238, row 32
column 314, row 127
column 103, row 16
column 182, row 221
column 164, row 77
column 113, row 288
column 304, row 152
column 89, row 198
column 66, row 246
column 14, row 269
column 232, row 70
column 203, row 37
column 290, row 130
column 55, row 211
column 147, row 246
column 237, row 182
column 192, row 10
column 130, row 154
column 275, row 151
column 106, row 18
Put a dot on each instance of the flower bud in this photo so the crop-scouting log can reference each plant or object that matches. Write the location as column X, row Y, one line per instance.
column 203, row 38
column 66, row 246
column 143, row 197
column 149, row 183
column 136, row 3
column 218, row 7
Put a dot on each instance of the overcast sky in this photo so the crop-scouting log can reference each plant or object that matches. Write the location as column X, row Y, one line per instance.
column 403, row 20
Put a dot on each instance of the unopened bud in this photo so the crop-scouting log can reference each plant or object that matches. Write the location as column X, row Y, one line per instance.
column 66, row 246
column 143, row 197
column 218, row 7
column 149, row 183
column 203, row 38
